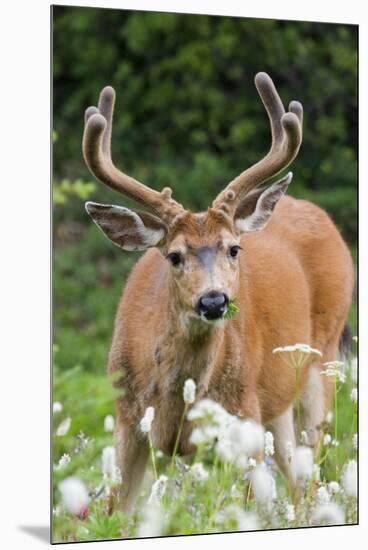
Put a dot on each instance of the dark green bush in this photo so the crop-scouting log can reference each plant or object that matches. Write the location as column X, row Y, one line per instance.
column 187, row 112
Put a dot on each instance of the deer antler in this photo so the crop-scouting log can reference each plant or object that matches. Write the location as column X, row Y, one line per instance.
column 97, row 154
column 286, row 129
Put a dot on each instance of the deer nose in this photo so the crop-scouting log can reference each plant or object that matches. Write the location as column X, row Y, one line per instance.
column 212, row 305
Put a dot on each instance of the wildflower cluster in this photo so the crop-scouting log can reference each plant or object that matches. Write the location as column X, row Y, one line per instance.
column 334, row 369
column 231, row 483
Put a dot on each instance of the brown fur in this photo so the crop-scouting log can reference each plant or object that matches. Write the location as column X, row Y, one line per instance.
column 294, row 284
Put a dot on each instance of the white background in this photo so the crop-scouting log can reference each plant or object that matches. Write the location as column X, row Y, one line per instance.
column 25, row 270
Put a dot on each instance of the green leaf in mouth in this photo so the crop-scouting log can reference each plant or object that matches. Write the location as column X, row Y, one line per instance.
column 232, row 310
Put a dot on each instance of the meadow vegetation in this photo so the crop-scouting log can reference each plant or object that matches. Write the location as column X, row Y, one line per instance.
column 220, row 488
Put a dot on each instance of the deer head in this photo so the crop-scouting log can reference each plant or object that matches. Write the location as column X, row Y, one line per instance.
column 201, row 249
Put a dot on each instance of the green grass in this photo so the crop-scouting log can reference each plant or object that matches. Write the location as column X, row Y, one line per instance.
column 188, row 506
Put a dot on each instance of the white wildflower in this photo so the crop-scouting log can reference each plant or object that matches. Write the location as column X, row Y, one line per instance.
column 329, row 417
column 64, row 460
column 109, row 423
column 158, row 489
column 211, row 417
column 244, row 521
column 304, row 438
column 247, row 521
column 109, row 468
column 152, row 523
column 335, row 443
column 189, row 391
column 290, row 512
column 339, row 365
column 328, row 513
column 354, row 395
column 198, row 472
column 327, row 439
column 355, row 441
column 240, row 440
column 209, row 410
column 252, row 463
column 301, row 348
column 83, row 441
column 269, row 444
column 204, row 435
column 349, row 480
column 57, row 407
column 354, row 370
column 333, row 487
column 263, row 484
column 297, row 355
column 286, row 509
column 146, row 422
column 289, row 448
column 236, row 440
column 302, row 464
column 322, row 495
column 74, row 496
column 63, row 427
column 159, row 453
column 334, row 369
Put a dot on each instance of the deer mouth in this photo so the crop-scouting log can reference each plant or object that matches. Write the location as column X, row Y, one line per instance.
column 211, row 321
column 212, row 306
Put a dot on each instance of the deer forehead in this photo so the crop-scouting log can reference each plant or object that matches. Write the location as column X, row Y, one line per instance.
column 200, row 234
column 204, row 248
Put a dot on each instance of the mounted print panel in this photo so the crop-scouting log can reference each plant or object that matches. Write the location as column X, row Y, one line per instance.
column 205, row 325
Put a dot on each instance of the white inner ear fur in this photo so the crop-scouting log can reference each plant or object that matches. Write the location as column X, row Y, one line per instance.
column 264, row 207
column 147, row 236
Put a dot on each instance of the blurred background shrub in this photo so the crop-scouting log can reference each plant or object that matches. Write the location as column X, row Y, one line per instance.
column 187, row 115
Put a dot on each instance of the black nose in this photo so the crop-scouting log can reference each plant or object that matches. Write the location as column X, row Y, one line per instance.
column 212, row 305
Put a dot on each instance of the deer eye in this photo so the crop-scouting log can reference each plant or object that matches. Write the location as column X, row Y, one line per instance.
column 175, row 258
column 233, row 251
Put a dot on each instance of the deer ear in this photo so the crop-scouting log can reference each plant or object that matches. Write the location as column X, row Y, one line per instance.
column 129, row 229
column 254, row 212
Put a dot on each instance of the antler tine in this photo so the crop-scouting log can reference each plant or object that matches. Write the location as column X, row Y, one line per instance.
column 273, row 105
column 106, row 108
column 286, row 130
column 97, row 155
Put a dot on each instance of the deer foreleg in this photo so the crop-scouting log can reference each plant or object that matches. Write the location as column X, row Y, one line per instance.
column 131, row 456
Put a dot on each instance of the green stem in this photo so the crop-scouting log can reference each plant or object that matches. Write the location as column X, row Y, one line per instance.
column 179, row 434
column 248, row 494
column 321, row 460
column 152, row 451
column 353, row 427
column 216, row 509
column 298, row 400
column 336, row 423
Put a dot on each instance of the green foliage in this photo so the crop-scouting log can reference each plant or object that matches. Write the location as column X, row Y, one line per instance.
column 187, row 113
column 88, row 276
column 232, row 310
column 64, row 189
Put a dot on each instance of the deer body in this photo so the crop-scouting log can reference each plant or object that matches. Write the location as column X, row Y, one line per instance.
column 281, row 300
column 290, row 274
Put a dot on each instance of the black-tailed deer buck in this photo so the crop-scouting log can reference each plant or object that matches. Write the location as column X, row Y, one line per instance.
column 282, row 260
